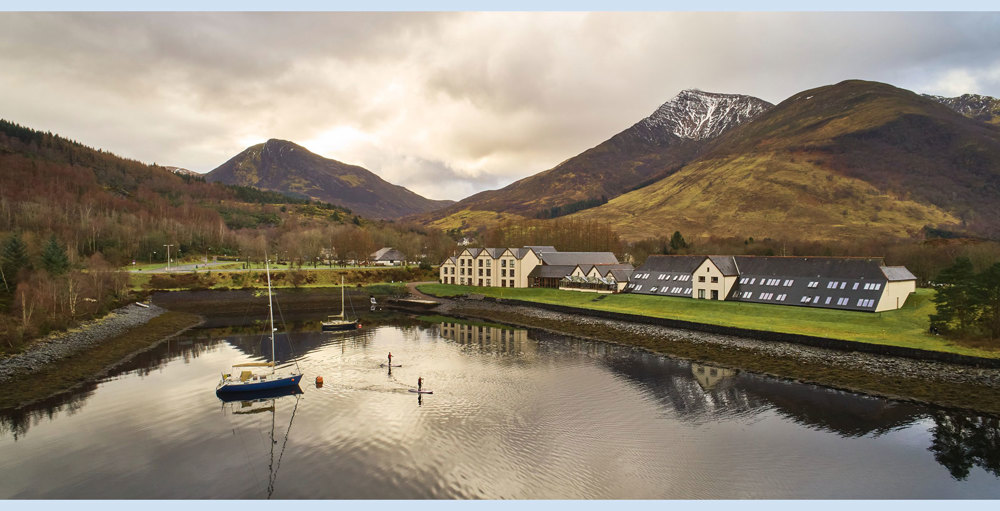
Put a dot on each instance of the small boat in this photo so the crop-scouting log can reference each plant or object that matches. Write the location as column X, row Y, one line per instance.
column 337, row 322
column 248, row 381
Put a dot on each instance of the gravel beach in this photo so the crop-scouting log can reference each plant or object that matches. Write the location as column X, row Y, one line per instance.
column 63, row 344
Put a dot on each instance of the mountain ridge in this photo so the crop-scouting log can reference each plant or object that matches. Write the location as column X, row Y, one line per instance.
column 286, row 167
column 854, row 159
column 647, row 151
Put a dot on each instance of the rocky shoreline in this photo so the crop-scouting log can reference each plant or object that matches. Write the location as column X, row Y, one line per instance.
column 866, row 362
column 64, row 344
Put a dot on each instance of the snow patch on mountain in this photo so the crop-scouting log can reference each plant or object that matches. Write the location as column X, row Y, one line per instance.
column 975, row 106
column 699, row 115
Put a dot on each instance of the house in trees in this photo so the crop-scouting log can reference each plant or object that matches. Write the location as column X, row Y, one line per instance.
column 848, row 283
column 388, row 256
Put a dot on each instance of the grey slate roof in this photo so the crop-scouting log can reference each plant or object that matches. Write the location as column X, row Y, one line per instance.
column 388, row 254
column 474, row 251
column 725, row 264
column 671, row 263
column 826, row 282
column 539, row 249
column 557, row 271
column 519, row 253
column 620, row 275
column 575, row 258
column 897, row 273
column 495, row 253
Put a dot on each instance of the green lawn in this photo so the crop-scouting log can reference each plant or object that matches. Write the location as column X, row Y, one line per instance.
column 904, row 327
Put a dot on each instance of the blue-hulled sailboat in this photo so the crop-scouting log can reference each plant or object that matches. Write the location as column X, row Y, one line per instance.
column 253, row 381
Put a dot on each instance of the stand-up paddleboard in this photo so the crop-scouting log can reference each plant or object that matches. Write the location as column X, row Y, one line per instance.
column 415, row 391
column 393, row 365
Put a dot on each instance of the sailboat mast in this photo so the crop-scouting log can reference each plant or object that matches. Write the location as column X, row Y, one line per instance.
column 342, row 297
column 270, row 308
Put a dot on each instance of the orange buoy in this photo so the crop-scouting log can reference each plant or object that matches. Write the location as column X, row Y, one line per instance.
column 359, row 325
column 319, row 381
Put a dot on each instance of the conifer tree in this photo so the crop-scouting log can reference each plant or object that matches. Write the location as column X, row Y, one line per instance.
column 12, row 260
column 54, row 257
column 956, row 298
column 677, row 242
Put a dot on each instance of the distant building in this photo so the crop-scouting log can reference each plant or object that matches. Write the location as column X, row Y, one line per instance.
column 849, row 283
column 597, row 278
column 388, row 256
column 530, row 266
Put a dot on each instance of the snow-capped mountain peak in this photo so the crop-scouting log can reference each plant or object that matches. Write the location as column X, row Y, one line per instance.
column 698, row 115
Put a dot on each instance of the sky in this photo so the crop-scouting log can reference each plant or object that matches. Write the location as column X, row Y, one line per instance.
column 445, row 104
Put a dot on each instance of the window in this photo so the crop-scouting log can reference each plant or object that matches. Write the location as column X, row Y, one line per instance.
column 827, row 302
column 842, row 284
column 813, row 284
column 743, row 280
column 782, row 297
column 715, row 279
column 639, row 287
column 701, row 278
column 480, row 263
column 878, row 286
column 753, row 280
column 816, row 299
column 503, row 283
column 480, row 272
column 701, row 293
column 855, row 286
column 503, row 272
column 503, row 263
column 789, row 283
column 512, row 283
column 488, row 263
column 842, row 301
column 747, row 294
column 653, row 289
column 511, row 273
column 487, row 272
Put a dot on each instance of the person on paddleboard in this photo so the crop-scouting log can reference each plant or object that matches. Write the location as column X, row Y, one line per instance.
column 420, row 383
column 390, row 359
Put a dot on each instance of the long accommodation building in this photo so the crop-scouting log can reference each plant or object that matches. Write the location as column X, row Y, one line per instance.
column 530, row 266
column 849, row 283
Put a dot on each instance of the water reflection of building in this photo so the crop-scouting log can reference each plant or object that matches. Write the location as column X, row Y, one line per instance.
column 709, row 376
column 492, row 338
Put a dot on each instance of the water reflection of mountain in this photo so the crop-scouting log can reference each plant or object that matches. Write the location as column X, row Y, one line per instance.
column 699, row 392
column 18, row 421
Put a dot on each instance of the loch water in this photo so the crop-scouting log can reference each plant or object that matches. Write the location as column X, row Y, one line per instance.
column 515, row 414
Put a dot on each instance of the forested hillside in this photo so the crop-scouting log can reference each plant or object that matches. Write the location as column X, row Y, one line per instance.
column 70, row 216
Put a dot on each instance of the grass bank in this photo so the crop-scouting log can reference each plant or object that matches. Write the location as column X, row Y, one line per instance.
column 906, row 327
column 64, row 374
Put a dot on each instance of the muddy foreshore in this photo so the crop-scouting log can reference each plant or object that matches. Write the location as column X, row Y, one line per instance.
column 930, row 382
column 64, row 344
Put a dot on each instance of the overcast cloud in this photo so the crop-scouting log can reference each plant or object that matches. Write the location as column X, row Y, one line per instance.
column 445, row 104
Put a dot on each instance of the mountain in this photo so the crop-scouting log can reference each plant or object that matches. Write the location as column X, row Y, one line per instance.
column 182, row 171
column 974, row 106
column 650, row 150
column 855, row 160
column 282, row 166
